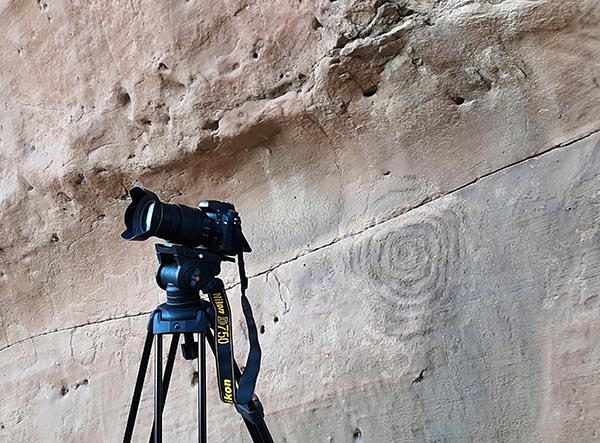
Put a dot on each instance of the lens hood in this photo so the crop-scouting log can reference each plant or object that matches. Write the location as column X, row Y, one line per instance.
column 138, row 225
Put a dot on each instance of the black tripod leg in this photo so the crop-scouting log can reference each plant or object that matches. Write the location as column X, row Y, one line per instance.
column 158, row 388
column 168, row 372
column 261, row 432
column 139, row 384
column 201, row 388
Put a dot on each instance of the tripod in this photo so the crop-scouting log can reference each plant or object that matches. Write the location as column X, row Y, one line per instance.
column 183, row 272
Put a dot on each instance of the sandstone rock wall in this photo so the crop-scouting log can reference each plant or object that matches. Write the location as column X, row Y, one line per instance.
column 419, row 179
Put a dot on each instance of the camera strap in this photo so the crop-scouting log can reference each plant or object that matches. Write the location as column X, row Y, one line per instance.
column 224, row 344
column 248, row 378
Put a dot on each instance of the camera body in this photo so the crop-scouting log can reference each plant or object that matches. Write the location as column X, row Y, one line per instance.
column 226, row 228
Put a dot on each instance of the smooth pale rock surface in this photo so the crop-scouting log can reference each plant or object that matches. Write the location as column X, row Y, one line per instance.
column 418, row 179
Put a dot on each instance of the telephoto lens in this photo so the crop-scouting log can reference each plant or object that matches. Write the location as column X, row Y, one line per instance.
column 147, row 216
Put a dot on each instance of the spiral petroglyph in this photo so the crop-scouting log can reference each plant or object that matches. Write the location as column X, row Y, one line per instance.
column 408, row 267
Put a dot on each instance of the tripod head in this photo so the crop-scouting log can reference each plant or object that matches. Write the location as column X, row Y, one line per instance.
column 182, row 272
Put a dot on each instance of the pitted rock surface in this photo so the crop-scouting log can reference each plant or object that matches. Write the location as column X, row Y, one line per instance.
column 419, row 181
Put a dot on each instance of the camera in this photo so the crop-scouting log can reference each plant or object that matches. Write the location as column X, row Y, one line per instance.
column 214, row 225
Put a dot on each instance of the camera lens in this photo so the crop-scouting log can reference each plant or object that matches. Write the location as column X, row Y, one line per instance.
column 149, row 210
column 147, row 216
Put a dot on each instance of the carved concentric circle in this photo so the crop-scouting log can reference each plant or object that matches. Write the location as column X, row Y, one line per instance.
column 406, row 267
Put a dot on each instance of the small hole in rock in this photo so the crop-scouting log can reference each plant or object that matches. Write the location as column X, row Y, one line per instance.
column 301, row 76
column 275, row 319
column 194, row 381
column 255, row 55
column 130, row 156
column 369, row 92
column 386, row 173
column 262, row 329
column 79, row 179
column 211, row 125
column 64, row 390
column 162, row 67
column 316, row 24
column 30, row 188
column 356, row 434
column 83, row 382
column 458, row 100
column 124, row 99
column 54, row 237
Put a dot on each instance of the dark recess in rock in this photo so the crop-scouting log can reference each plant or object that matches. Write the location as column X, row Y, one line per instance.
column 211, row 125
column 124, row 99
column 83, row 382
column 419, row 378
column 371, row 91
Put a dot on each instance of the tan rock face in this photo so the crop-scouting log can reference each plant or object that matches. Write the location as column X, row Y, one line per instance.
column 425, row 227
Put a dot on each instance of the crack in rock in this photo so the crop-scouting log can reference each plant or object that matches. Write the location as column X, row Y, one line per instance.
column 335, row 240
column 286, row 309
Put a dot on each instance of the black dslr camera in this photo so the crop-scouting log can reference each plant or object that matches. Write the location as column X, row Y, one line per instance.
column 214, row 226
